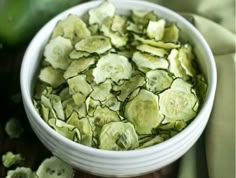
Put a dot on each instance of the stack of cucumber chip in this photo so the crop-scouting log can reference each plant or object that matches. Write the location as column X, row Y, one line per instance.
column 118, row 82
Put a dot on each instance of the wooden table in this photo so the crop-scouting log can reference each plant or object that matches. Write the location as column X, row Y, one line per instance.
column 28, row 144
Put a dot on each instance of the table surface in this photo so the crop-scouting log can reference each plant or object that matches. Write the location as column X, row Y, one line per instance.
column 28, row 144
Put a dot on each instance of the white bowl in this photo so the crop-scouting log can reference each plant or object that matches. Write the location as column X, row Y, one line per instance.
column 118, row 163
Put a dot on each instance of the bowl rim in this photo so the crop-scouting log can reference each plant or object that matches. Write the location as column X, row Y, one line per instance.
column 27, row 99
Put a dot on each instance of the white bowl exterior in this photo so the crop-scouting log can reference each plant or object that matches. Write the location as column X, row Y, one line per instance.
column 123, row 163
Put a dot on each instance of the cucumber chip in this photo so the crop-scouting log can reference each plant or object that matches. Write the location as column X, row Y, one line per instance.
column 143, row 112
column 113, row 66
column 98, row 14
column 52, row 76
column 146, row 62
column 171, row 33
column 152, row 50
column 57, row 52
column 94, row 44
column 21, row 172
column 72, row 27
column 54, row 168
column 78, row 66
column 177, row 103
column 118, row 136
column 158, row 80
column 118, row 82
column 155, row 29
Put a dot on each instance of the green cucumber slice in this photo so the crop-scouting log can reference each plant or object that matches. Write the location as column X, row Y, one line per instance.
column 57, row 52
column 9, row 159
column 79, row 88
column 98, row 14
column 72, row 27
column 101, row 91
column 143, row 112
column 21, row 172
column 117, row 39
column 84, row 127
column 129, row 86
column 152, row 50
column 78, row 66
column 113, row 66
column 175, row 65
column 155, row 29
column 94, row 44
column 171, row 33
column 146, row 62
column 158, row 80
column 52, row 76
column 54, row 168
column 159, row 44
column 118, row 136
column 177, row 103
column 67, row 130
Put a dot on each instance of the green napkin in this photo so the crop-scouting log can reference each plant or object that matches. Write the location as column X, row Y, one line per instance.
column 213, row 156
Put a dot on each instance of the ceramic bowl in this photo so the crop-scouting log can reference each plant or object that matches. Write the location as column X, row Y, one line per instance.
column 118, row 163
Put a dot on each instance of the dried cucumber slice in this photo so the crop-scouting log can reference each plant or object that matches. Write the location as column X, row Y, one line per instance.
column 113, row 66
column 155, row 29
column 52, row 76
column 143, row 17
column 175, row 65
column 67, row 130
column 57, row 52
column 159, row 44
column 101, row 91
column 14, row 128
column 94, row 44
column 153, row 141
column 178, row 102
column 171, row 33
column 158, row 80
column 9, row 159
column 72, row 27
column 57, row 106
column 185, row 57
column 146, row 62
column 118, row 136
column 143, row 112
column 152, row 50
column 117, row 39
column 112, row 103
column 84, row 127
column 54, row 168
column 21, row 172
column 118, row 24
column 98, row 14
column 132, row 27
column 102, row 116
column 79, row 88
column 129, row 86
column 78, row 54
column 78, row 66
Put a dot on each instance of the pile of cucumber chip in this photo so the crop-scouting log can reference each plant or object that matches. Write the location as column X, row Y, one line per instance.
column 118, row 82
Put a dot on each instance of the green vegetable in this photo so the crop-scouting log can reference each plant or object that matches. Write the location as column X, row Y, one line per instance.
column 54, row 168
column 20, row 20
column 14, row 128
column 143, row 112
column 21, row 172
column 126, row 82
column 9, row 159
column 118, row 136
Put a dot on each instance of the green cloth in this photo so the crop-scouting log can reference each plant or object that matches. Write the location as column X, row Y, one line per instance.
column 213, row 156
